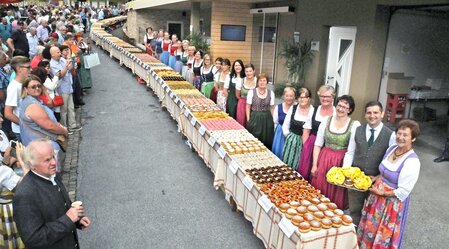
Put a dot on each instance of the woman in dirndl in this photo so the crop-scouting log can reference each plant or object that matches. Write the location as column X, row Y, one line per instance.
column 326, row 94
column 159, row 40
column 259, row 111
column 178, row 54
column 384, row 214
column 207, row 75
column 166, row 42
column 241, row 91
column 278, row 119
column 184, row 57
column 172, row 49
column 217, row 64
column 190, row 60
column 237, row 75
column 197, row 65
column 9, row 238
column 335, row 135
column 147, row 39
column 296, row 128
column 220, row 81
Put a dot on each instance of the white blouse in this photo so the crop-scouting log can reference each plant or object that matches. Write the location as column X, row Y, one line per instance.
column 321, row 131
column 226, row 80
column 249, row 98
column 276, row 114
column 8, row 178
column 299, row 117
column 241, row 83
column 408, row 175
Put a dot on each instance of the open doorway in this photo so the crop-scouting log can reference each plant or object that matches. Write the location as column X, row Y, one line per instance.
column 176, row 28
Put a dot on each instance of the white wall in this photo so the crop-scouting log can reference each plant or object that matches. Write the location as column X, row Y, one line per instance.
column 428, row 55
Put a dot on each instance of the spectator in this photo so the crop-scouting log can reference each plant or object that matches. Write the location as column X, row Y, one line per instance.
column 38, row 57
column 85, row 75
column 33, row 41
column 37, row 120
column 59, row 64
column 9, row 180
column 32, row 21
column 22, row 68
column 51, row 83
column 18, row 39
column 42, row 31
column 4, row 79
column 5, row 29
column 43, row 223
column 61, row 30
column 101, row 14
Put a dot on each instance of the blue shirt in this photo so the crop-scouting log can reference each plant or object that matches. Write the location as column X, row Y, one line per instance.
column 4, row 79
column 66, row 81
column 5, row 31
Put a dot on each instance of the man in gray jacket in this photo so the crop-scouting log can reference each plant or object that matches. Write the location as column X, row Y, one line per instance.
column 42, row 207
column 371, row 142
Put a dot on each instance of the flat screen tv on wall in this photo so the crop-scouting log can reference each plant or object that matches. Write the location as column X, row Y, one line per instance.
column 233, row 32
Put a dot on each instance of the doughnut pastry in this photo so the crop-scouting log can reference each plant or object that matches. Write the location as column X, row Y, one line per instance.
column 336, row 221
column 322, row 207
column 301, row 210
column 304, row 227
column 291, row 212
column 329, row 214
column 332, row 206
column 338, row 212
column 327, row 223
column 312, row 208
column 347, row 220
column 296, row 220
column 315, row 201
column 325, row 200
column 306, row 203
column 316, row 225
column 294, row 204
column 308, row 217
column 283, row 207
column 318, row 215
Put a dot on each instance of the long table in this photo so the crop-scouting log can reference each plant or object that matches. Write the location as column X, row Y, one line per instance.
column 269, row 224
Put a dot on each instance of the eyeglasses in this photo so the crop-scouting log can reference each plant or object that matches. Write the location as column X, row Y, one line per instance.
column 35, row 87
column 325, row 97
column 342, row 107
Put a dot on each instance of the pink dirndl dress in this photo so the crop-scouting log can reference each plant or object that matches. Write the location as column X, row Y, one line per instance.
column 332, row 154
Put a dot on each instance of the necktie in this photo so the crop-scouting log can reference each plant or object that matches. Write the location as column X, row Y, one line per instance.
column 371, row 138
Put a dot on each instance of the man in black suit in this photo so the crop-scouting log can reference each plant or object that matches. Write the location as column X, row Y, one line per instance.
column 42, row 207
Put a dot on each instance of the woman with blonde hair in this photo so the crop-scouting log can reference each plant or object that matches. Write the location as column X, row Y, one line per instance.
column 297, row 127
column 326, row 94
column 278, row 118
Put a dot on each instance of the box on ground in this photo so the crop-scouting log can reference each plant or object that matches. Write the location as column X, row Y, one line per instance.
column 398, row 83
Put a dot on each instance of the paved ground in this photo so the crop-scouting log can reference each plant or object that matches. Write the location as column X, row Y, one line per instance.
column 139, row 182
column 143, row 187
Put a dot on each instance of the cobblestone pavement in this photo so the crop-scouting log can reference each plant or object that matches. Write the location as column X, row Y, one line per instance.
column 69, row 175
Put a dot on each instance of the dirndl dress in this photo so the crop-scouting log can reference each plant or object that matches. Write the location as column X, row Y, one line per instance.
column 241, row 106
column 172, row 57
column 231, row 102
column 9, row 238
column 384, row 218
column 332, row 154
column 158, row 47
column 260, row 122
column 208, row 82
column 165, row 53
column 278, row 140
column 197, row 79
column 293, row 142
column 306, row 158
column 178, row 64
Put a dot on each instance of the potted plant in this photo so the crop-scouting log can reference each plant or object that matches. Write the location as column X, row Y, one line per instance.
column 197, row 39
column 297, row 55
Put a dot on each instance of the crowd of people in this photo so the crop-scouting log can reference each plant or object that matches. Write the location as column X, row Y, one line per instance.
column 42, row 81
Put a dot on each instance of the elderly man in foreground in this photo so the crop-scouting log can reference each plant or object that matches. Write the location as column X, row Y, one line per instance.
column 42, row 207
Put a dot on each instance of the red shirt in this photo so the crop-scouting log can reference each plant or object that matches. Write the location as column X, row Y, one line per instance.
column 35, row 61
column 165, row 45
column 173, row 48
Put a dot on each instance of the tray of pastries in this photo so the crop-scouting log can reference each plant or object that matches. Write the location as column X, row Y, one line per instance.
column 349, row 177
column 272, row 174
